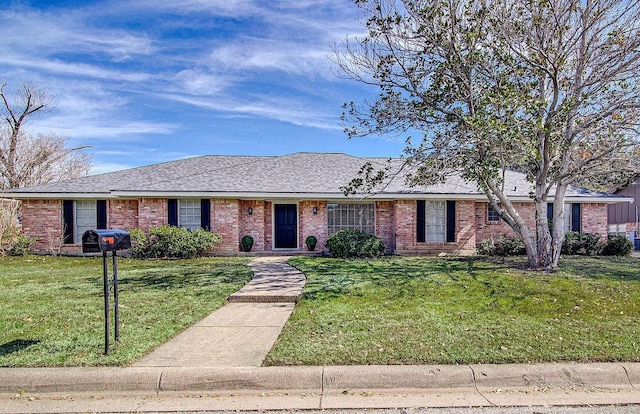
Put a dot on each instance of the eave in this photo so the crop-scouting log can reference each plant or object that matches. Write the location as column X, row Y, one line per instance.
column 115, row 195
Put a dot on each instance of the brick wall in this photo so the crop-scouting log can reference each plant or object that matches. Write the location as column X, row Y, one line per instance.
column 252, row 225
column 42, row 220
column 313, row 224
column 404, row 213
column 385, row 224
column 123, row 214
column 225, row 222
column 594, row 219
column 152, row 212
column 405, row 218
column 486, row 229
column 395, row 223
column 465, row 226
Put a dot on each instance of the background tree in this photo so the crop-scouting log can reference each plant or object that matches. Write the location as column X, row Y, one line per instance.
column 548, row 88
column 27, row 159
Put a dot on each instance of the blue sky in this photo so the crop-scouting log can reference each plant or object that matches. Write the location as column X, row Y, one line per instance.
column 146, row 81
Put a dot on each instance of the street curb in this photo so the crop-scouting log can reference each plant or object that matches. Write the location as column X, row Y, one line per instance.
column 43, row 380
column 483, row 378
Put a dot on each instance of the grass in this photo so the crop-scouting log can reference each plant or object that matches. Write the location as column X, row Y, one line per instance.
column 454, row 311
column 52, row 308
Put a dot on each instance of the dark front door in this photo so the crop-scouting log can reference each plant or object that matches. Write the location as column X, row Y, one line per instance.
column 286, row 217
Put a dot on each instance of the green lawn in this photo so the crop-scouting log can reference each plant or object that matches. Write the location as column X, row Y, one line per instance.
column 52, row 309
column 432, row 310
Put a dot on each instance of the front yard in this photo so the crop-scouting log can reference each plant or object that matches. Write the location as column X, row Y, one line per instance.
column 448, row 311
column 52, row 309
column 388, row 311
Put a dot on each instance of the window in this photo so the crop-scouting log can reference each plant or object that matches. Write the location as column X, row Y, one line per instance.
column 567, row 218
column 351, row 216
column 436, row 221
column 189, row 214
column 572, row 216
column 492, row 215
column 79, row 216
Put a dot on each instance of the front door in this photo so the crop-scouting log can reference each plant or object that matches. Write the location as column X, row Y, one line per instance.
column 286, row 228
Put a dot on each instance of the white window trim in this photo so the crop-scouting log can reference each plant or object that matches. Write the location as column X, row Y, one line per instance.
column 441, row 236
column 196, row 206
column 371, row 226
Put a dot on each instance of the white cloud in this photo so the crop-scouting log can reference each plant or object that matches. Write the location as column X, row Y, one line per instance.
column 51, row 34
column 293, row 111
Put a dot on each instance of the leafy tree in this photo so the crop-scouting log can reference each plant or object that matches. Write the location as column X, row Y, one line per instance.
column 27, row 159
column 548, row 88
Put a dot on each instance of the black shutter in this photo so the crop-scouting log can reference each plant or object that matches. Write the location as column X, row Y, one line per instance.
column 67, row 221
column 205, row 213
column 420, row 222
column 451, row 221
column 172, row 209
column 101, row 206
column 575, row 217
column 549, row 212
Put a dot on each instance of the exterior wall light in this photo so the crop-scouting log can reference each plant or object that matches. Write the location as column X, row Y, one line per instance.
column 315, row 211
column 250, row 211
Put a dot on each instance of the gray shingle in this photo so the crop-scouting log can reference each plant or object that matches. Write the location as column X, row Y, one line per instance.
column 295, row 174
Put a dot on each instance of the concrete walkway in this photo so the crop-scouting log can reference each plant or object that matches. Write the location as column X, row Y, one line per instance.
column 241, row 333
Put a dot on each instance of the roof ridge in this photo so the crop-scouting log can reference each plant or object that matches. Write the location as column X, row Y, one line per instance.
column 257, row 158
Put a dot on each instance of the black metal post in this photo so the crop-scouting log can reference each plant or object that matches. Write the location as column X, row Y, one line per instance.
column 116, row 311
column 105, row 272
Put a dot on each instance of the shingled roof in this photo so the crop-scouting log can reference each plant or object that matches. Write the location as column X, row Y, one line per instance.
column 298, row 175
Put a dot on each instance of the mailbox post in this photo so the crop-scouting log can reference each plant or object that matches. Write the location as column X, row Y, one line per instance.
column 103, row 241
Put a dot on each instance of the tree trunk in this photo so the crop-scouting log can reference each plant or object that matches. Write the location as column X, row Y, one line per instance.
column 557, row 225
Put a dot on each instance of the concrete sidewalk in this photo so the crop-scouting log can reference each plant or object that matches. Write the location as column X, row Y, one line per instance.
column 215, row 365
column 241, row 333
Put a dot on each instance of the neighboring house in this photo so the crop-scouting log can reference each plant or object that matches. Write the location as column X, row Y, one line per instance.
column 280, row 200
column 624, row 218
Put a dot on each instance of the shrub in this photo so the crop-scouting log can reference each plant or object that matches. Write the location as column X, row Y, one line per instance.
column 587, row 243
column 617, row 246
column 355, row 243
column 21, row 246
column 572, row 243
column 171, row 242
column 591, row 243
column 246, row 243
column 502, row 246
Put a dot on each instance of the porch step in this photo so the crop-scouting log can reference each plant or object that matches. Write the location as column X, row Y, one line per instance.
column 250, row 298
column 274, row 281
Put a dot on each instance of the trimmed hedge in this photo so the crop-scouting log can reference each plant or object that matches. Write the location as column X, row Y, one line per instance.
column 171, row 242
column 618, row 246
column 355, row 243
column 502, row 246
column 585, row 243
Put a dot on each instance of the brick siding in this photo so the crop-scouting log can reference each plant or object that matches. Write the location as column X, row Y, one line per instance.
column 42, row 220
column 486, row 229
column 405, row 223
column 385, row 224
column 395, row 223
column 152, row 212
column 225, row 215
column 594, row 219
column 252, row 225
column 123, row 214
column 313, row 224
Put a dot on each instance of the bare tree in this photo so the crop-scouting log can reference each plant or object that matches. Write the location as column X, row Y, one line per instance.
column 27, row 159
column 547, row 88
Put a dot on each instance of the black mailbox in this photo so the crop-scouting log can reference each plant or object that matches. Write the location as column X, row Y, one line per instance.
column 96, row 241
